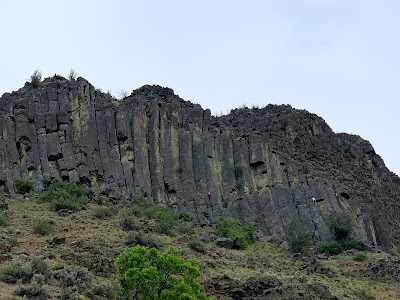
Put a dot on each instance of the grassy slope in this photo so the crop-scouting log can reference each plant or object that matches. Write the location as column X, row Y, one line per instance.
column 95, row 243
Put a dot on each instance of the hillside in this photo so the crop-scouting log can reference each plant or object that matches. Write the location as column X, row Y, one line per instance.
column 270, row 167
column 94, row 236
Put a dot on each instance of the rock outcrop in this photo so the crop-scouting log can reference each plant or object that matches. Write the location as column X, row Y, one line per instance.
column 263, row 166
column 265, row 288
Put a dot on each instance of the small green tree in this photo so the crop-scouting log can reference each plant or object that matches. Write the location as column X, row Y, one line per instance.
column 166, row 220
column 299, row 238
column 242, row 235
column 24, row 186
column 43, row 227
column 65, row 195
column 143, row 273
column 341, row 226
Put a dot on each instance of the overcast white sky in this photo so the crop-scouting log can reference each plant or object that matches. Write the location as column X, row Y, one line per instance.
column 339, row 59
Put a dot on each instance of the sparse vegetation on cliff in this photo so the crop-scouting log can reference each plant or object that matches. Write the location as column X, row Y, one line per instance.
column 24, row 186
column 241, row 234
column 342, row 228
column 72, row 74
column 299, row 238
column 36, row 78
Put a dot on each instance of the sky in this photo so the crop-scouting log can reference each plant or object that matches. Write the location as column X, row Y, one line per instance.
column 339, row 59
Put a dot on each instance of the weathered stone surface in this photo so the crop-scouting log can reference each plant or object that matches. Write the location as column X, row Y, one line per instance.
column 58, row 240
column 224, row 242
column 265, row 287
column 263, row 166
column 386, row 270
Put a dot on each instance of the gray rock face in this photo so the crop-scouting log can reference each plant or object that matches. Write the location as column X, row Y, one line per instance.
column 263, row 166
column 224, row 242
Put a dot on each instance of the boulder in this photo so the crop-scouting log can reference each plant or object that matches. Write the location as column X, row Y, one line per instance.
column 224, row 242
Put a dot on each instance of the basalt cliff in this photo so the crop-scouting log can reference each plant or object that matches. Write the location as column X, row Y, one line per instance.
column 262, row 165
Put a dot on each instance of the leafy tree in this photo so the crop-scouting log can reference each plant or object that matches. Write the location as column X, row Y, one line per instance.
column 24, row 186
column 341, row 226
column 242, row 235
column 65, row 195
column 299, row 238
column 143, row 273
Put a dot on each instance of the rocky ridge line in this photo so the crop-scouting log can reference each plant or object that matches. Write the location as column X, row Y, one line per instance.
column 262, row 165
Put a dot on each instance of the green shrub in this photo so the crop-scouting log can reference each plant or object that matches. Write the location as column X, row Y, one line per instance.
column 128, row 223
column 352, row 244
column 360, row 256
column 73, row 280
column 166, row 214
column 134, row 238
column 341, row 226
column 142, row 208
column 101, row 289
column 12, row 240
column 144, row 273
column 197, row 245
column 74, row 276
column 299, row 238
column 57, row 266
column 43, row 227
column 65, row 195
column 185, row 216
column 14, row 271
column 331, row 247
column 242, row 235
column 104, row 212
column 38, row 265
column 24, row 186
column 306, row 167
column 184, row 229
column 166, row 220
column 364, row 294
column 164, row 228
column 4, row 222
column 70, row 293
column 337, row 247
column 34, row 290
